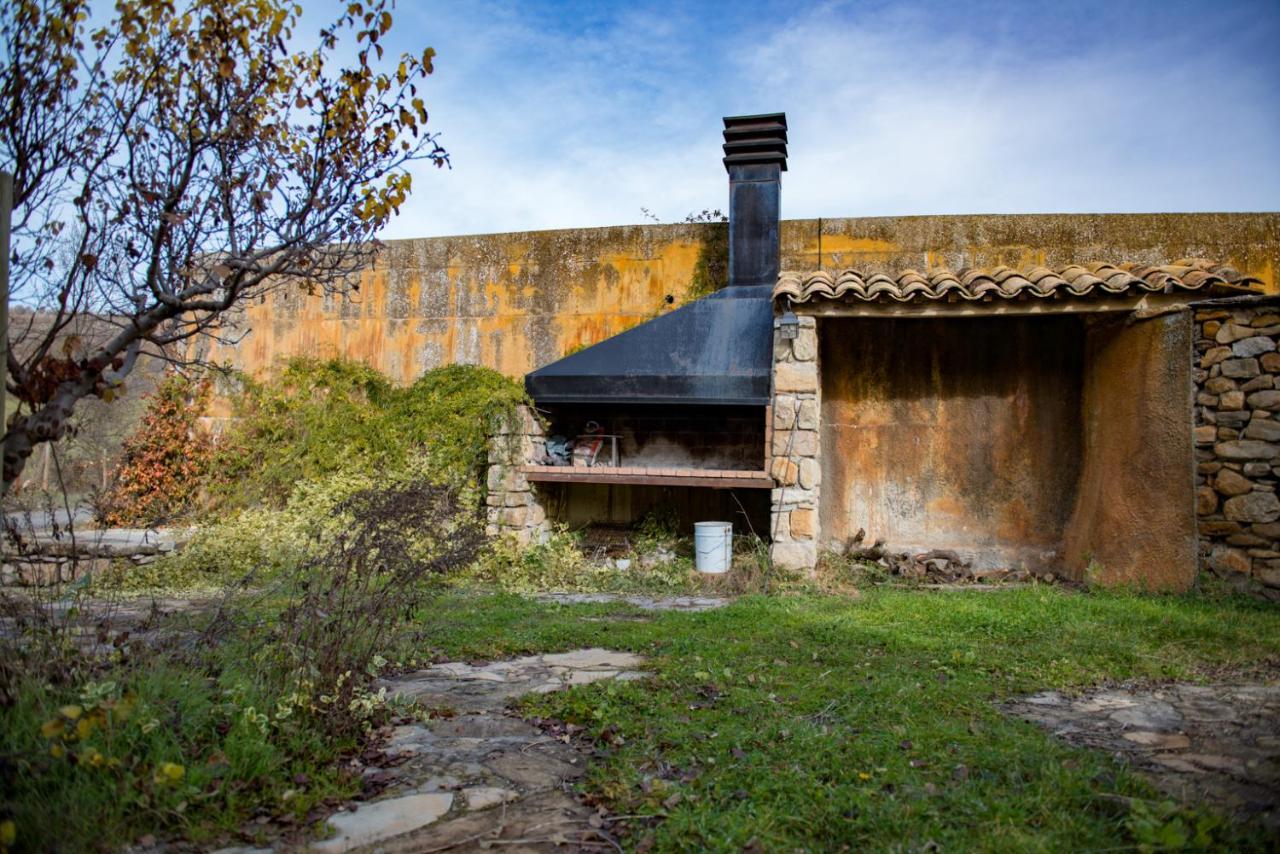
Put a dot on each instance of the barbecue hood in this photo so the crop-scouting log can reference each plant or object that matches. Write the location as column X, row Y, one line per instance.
column 719, row 349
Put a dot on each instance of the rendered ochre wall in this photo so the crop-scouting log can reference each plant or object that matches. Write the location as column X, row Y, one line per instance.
column 959, row 434
column 516, row 301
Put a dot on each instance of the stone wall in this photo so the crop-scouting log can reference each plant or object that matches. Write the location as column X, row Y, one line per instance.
column 44, row 558
column 1237, row 436
column 795, row 447
column 514, row 507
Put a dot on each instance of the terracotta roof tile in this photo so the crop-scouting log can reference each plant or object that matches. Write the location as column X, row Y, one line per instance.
column 1073, row 280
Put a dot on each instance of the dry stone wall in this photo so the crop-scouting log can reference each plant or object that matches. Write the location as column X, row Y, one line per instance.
column 1237, row 436
column 514, row 506
column 795, row 448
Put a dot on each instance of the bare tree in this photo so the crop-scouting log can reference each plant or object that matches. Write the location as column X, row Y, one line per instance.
column 175, row 164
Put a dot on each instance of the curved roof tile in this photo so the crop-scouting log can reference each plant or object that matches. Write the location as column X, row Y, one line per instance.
column 1075, row 280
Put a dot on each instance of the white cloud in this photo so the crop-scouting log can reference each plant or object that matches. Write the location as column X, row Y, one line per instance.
column 566, row 119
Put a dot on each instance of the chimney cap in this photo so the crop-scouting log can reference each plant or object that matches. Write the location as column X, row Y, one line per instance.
column 755, row 139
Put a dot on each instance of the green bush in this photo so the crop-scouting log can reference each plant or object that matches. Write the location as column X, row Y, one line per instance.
column 318, row 418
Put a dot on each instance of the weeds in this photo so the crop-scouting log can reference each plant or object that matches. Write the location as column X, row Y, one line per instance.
column 343, row 606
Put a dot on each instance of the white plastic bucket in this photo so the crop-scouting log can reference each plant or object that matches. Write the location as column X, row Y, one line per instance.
column 713, row 546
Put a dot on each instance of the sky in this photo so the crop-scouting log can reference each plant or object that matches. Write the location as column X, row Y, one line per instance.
column 579, row 114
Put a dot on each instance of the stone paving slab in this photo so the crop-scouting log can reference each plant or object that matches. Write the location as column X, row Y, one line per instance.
column 477, row 776
column 645, row 603
column 1219, row 744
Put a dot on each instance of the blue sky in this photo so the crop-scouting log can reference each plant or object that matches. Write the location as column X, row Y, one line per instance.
column 578, row 114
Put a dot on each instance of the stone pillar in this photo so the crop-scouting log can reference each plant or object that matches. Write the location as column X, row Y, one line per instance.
column 1237, row 437
column 514, row 507
column 795, row 462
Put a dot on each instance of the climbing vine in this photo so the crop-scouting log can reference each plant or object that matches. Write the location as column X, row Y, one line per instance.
column 166, row 458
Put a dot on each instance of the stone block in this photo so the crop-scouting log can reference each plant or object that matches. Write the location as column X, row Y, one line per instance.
column 1245, row 541
column 805, row 345
column 1232, row 419
column 1219, row 527
column 1218, row 385
column 1270, row 530
column 1258, row 383
column 808, row 419
column 1229, row 333
column 1211, row 467
column 1266, row 429
column 1210, row 328
column 810, row 473
column 1206, row 501
column 784, row 411
column 1269, row 400
column 1256, row 469
column 537, row 515
column 794, row 556
column 1270, row 362
column 1226, row 434
column 1206, row 434
column 1247, row 449
column 1231, row 400
column 516, row 499
column 803, row 376
column 1253, row 507
column 780, row 526
column 1214, row 356
column 1240, row 368
column 1268, row 575
column 784, row 471
column 1255, row 346
column 795, row 443
column 513, row 517
column 1225, row 560
column 803, row 523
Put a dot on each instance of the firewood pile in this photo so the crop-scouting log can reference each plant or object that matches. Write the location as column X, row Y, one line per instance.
column 937, row 566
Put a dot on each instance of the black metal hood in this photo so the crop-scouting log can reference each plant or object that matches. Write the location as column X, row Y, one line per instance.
column 716, row 350
column 719, row 349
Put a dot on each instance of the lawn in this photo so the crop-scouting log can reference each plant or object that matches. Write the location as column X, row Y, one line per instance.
column 821, row 722
column 800, row 722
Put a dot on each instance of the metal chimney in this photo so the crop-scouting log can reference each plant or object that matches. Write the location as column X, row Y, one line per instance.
column 755, row 155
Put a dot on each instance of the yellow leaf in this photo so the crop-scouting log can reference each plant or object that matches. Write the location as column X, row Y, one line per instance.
column 84, row 729
column 57, row 751
column 71, row 712
column 169, row 772
column 53, row 728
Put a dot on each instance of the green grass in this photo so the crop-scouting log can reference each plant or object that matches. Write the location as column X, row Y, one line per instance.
column 798, row 722
column 816, row 722
column 110, row 787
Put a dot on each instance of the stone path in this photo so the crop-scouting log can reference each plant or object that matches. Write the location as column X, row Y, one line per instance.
column 644, row 603
column 1218, row 744
column 475, row 776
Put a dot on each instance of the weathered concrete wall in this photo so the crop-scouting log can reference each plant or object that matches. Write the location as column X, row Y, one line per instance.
column 952, row 434
column 1248, row 242
column 1237, row 436
column 517, row 301
column 1134, row 520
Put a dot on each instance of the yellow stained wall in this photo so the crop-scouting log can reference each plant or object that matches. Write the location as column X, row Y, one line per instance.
column 517, row 301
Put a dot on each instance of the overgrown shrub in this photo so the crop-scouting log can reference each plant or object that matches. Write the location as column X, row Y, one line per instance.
column 343, row 605
column 558, row 564
column 165, row 459
column 318, row 418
